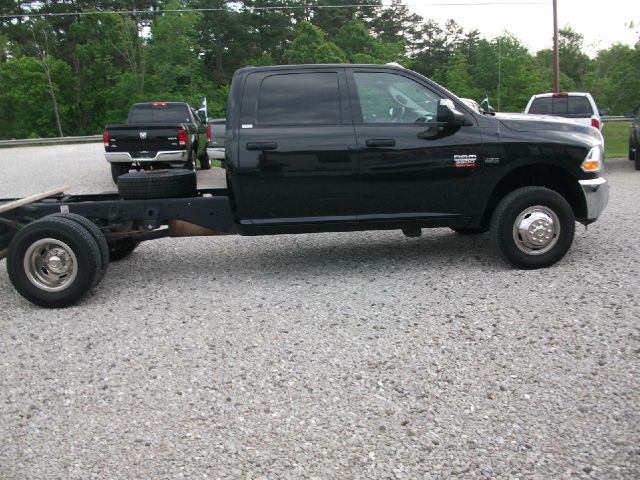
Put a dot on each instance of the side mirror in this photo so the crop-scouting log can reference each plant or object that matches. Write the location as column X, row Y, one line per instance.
column 447, row 113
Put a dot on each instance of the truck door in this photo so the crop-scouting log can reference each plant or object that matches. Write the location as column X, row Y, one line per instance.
column 297, row 157
column 410, row 167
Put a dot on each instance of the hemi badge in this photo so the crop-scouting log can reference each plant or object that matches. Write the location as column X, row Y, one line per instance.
column 465, row 161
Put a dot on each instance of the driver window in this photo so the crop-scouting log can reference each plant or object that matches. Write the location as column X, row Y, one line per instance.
column 391, row 98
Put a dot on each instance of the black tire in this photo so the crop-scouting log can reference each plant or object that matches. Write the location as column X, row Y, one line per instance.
column 157, row 184
column 637, row 159
column 31, row 268
column 121, row 248
column 205, row 161
column 470, row 230
column 95, row 232
column 549, row 233
column 118, row 169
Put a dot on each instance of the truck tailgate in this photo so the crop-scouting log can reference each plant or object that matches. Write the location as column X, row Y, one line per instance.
column 144, row 138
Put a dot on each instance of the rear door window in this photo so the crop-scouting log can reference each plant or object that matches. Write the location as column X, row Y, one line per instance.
column 299, row 99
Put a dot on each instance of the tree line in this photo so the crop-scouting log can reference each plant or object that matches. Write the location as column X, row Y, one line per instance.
column 68, row 67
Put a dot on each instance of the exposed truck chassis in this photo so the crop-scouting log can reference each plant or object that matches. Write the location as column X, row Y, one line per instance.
column 122, row 223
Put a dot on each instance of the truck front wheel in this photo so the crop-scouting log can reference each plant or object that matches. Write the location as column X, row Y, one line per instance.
column 533, row 227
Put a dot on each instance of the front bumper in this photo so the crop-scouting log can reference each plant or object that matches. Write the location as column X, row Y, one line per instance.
column 173, row 156
column 596, row 195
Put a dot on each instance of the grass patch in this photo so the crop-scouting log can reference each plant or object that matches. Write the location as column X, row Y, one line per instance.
column 616, row 139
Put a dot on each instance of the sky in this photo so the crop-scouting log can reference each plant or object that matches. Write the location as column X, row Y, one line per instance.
column 602, row 22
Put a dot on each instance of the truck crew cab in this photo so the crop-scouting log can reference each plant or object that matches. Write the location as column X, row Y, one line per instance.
column 318, row 148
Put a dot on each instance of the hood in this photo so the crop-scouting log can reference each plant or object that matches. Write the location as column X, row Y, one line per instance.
column 525, row 122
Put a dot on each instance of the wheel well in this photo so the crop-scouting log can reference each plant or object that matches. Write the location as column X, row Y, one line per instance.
column 548, row 176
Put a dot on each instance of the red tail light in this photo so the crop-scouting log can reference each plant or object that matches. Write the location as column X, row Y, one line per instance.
column 209, row 134
column 595, row 123
column 182, row 137
column 105, row 138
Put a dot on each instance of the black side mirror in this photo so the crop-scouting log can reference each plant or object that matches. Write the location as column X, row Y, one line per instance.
column 447, row 113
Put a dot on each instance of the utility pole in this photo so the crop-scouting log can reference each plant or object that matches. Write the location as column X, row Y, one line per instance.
column 556, row 52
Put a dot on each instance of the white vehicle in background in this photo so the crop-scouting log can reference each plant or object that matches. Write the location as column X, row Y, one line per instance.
column 578, row 106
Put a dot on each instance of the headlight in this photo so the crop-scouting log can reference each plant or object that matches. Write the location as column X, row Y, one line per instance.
column 594, row 161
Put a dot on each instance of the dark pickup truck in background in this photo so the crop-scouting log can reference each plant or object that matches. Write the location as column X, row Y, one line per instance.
column 157, row 135
column 329, row 148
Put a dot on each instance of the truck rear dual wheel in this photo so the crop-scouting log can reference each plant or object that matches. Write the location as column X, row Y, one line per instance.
column 533, row 227
column 53, row 262
column 97, row 235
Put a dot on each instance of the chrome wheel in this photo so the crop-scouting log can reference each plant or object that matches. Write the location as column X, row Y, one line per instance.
column 536, row 230
column 50, row 264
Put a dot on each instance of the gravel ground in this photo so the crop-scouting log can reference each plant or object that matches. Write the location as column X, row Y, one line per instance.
column 331, row 356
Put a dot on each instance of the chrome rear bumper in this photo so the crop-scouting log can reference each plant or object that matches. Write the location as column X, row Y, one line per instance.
column 166, row 156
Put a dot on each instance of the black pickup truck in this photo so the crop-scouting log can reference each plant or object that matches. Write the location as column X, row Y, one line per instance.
column 318, row 148
column 156, row 135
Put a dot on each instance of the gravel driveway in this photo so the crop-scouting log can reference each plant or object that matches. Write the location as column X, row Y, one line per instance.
column 330, row 356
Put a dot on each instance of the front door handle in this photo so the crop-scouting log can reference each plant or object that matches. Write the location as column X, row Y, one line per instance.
column 380, row 142
column 262, row 146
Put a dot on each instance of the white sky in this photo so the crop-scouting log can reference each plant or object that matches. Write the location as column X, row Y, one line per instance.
column 602, row 22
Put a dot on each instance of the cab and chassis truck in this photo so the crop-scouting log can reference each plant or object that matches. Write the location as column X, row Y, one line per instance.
column 329, row 148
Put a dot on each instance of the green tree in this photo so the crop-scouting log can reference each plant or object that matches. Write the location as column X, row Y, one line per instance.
column 506, row 70
column 574, row 64
column 331, row 20
column 395, row 24
column 26, row 108
column 311, row 46
column 174, row 65
column 614, row 81
column 110, row 59
column 355, row 40
column 270, row 26
column 226, row 40
column 455, row 76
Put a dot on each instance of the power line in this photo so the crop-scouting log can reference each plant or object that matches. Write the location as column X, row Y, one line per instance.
column 252, row 9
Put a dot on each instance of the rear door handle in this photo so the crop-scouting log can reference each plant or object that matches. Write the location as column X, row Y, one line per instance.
column 262, row 146
column 381, row 142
